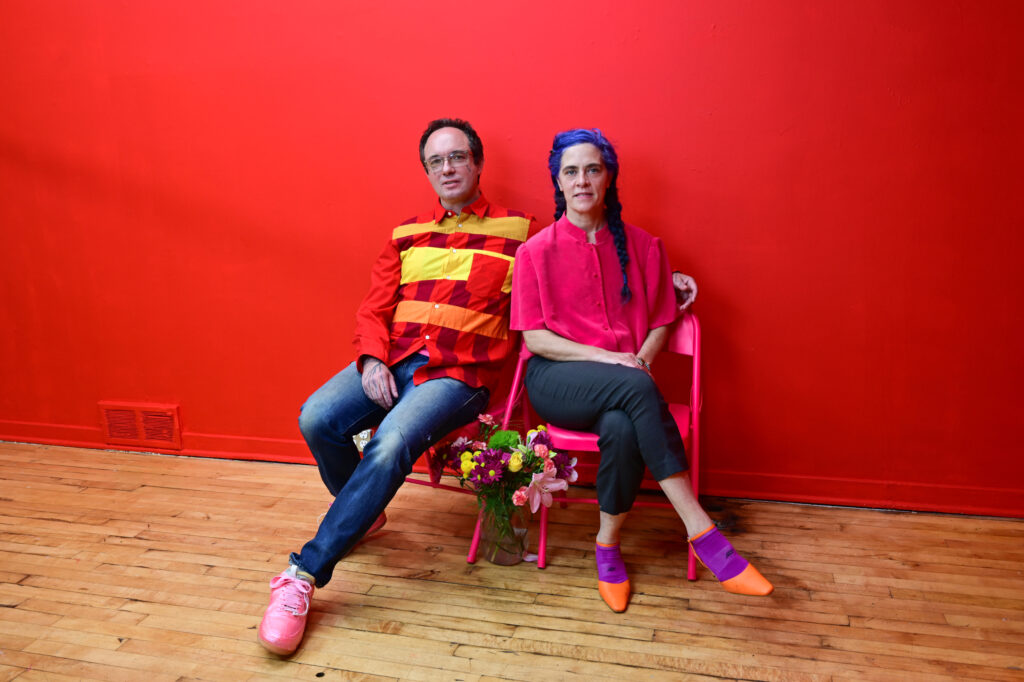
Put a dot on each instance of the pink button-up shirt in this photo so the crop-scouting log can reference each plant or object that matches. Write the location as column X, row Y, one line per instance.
column 572, row 288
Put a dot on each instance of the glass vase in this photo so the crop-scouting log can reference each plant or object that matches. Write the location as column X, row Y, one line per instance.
column 504, row 541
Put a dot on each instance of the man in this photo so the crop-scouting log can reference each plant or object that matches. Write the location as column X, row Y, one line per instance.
column 431, row 334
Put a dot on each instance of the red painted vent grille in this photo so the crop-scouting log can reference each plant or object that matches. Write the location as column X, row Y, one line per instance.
column 141, row 424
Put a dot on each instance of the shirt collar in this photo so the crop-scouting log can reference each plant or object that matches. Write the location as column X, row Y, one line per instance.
column 575, row 232
column 479, row 208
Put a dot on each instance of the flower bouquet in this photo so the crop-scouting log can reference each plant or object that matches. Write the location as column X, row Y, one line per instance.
column 507, row 474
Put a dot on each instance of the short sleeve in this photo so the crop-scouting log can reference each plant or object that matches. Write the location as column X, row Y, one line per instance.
column 527, row 311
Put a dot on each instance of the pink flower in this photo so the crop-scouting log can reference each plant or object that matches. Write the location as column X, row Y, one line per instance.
column 540, row 489
column 549, row 467
column 486, row 419
column 519, row 497
column 479, row 445
column 541, row 450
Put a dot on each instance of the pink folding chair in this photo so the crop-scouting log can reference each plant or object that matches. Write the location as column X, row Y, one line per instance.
column 684, row 339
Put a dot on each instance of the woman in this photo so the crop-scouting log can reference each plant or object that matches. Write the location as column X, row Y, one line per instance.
column 593, row 297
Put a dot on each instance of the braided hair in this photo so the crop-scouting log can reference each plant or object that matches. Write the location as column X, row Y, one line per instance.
column 612, row 205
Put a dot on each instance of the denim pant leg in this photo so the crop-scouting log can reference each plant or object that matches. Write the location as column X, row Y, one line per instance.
column 423, row 415
column 330, row 418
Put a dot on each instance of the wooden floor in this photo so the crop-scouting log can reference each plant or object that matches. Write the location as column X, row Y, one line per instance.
column 146, row 567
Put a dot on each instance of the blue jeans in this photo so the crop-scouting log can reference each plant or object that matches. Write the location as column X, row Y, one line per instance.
column 362, row 487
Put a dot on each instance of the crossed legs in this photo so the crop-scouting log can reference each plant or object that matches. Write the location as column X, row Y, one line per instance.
column 624, row 407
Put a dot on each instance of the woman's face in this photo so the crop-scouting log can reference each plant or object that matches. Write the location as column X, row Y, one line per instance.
column 583, row 180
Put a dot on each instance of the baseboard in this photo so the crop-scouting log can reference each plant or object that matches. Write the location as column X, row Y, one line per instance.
column 194, row 444
column 873, row 493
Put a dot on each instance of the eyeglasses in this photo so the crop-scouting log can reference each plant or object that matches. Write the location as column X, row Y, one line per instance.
column 456, row 159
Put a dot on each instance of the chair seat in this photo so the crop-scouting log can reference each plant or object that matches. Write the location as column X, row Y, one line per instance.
column 566, row 439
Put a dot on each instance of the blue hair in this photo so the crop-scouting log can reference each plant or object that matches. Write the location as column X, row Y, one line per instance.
column 612, row 205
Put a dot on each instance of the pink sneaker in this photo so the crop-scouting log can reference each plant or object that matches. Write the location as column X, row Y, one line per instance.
column 284, row 621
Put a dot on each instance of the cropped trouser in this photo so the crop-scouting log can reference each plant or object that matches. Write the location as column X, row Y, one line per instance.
column 624, row 408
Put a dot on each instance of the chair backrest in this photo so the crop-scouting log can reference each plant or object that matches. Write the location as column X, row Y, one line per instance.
column 518, row 388
column 684, row 339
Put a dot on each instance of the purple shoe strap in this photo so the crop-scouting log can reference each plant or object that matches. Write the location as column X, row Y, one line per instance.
column 610, row 567
column 718, row 555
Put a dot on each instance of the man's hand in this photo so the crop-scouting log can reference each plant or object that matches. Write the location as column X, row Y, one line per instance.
column 379, row 383
column 686, row 290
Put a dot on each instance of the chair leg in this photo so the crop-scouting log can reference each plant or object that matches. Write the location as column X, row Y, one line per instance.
column 542, row 544
column 691, row 558
column 471, row 557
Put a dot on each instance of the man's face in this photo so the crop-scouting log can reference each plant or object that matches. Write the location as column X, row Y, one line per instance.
column 456, row 186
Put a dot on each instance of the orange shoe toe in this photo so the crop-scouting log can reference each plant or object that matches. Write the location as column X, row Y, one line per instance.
column 750, row 582
column 615, row 595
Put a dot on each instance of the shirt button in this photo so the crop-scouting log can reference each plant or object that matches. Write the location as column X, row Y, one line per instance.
column 447, row 276
column 437, row 305
column 460, row 224
column 427, row 337
column 449, row 214
column 453, row 250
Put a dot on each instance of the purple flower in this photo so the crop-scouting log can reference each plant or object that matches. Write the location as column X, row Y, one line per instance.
column 491, row 467
column 540, row 438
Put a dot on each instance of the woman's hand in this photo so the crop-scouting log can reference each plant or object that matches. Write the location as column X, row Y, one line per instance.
column 686, row 290
column 624, row 359
column 550, row 345
column 611, row 357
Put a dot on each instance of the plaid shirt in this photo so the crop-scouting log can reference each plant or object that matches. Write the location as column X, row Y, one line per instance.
column 443, row 284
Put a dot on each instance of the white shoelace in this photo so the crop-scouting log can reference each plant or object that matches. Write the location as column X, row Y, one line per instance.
column 294, row 594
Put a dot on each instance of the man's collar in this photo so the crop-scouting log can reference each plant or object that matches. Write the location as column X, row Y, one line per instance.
column 478, row 208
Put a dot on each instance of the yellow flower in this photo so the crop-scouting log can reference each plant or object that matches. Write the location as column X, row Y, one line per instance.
column 467, row 466
column 466, row 455
column 515, row 462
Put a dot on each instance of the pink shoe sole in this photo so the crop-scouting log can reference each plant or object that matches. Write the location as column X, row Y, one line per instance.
column 275, row 649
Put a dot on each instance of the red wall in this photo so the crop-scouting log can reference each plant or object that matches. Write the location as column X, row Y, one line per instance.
column 191, row 195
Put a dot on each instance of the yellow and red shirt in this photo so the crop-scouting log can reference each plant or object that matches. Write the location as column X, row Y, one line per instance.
column 442, row 285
